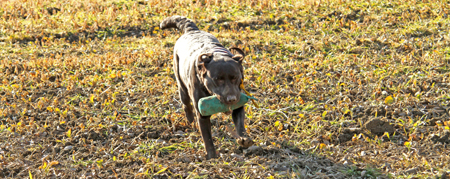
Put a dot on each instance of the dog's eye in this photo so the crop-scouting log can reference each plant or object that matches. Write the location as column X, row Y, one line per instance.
column 219, row 80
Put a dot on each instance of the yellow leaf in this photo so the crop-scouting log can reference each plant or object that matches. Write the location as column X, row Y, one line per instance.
column 64, row 113
column 301, row 115
column 53, row 163
column 407, row 144
column 29, row 173
column 322, row 145
column 91, row 99
column 387, row 135
column 324, row 113
column 346, row 111
column 69, row 133
column 277, row 123
column 43, row 166
column 162, row 170
column 100, row 163
column 425, row 161
column 389, row 100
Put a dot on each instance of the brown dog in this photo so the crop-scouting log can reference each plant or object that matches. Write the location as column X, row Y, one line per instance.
column 203, row 67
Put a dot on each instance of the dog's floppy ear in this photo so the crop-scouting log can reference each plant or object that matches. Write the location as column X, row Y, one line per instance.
column 203, row 61
column 238, row 54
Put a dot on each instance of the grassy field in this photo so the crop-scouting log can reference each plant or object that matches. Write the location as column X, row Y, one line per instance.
column 346, row 89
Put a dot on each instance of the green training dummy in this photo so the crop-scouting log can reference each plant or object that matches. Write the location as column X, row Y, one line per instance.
column 211, row 105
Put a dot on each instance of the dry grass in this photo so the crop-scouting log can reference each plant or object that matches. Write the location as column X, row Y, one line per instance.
column 87, row 89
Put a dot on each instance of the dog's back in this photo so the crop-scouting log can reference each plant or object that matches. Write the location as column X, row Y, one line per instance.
column 192, row 43
column 193, row 40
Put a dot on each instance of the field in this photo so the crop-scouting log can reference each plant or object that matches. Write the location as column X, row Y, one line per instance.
column 346, row 89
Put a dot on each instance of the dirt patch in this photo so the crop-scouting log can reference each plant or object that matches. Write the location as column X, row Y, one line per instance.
column 348, row 134
column 445, row 138
column 378, row 126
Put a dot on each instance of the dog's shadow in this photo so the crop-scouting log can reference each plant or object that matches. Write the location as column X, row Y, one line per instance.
column 269, row 158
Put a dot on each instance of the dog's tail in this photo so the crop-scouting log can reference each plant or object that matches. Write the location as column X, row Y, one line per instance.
column 179, row 22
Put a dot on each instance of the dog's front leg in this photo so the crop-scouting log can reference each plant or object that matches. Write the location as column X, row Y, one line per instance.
column 238, row 119
column 205, row 128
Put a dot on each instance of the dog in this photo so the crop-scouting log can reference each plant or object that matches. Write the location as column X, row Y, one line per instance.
column 203, row 67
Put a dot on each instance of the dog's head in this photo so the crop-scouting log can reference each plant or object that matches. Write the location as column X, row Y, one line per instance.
column 222, row 74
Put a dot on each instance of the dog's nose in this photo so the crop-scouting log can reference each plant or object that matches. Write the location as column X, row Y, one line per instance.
column 231, row 99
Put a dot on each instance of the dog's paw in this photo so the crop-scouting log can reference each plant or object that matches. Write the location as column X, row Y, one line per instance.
column 245, row 142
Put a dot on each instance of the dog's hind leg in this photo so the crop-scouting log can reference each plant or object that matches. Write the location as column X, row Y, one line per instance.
column 187, row 106
column 182, row 90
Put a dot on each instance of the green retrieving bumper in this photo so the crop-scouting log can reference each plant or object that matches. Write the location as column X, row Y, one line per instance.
column 211, row 105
